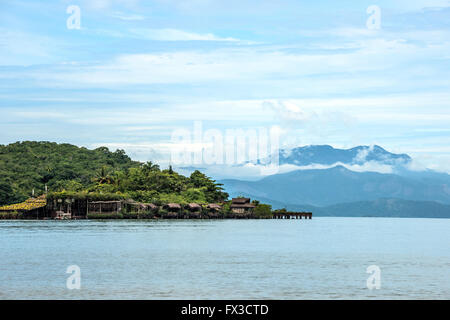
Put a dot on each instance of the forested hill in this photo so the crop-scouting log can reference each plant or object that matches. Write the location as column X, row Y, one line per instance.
column 66, row 168
column 27, row 165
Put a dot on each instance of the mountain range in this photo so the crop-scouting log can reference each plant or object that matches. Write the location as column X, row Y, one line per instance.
column 327, row 155
column 336, row 190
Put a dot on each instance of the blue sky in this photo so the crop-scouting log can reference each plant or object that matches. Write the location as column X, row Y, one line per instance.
column 137, row 70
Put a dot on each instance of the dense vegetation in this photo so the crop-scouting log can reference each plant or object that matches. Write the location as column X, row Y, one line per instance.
column 79, row 172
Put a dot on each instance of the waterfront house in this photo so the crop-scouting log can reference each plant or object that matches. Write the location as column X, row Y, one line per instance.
column 32, row 208
column 150, row 207
column 214, row 207
column 194, row 207
column 138, row 207
column 173, row 209
column 214, row 210
column 104, row 207
column 194, row 210
column 145, row 207
column 241, row 206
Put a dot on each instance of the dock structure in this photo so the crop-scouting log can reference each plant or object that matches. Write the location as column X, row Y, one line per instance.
column 104, row 207
column 292, row 215
column 84, row 208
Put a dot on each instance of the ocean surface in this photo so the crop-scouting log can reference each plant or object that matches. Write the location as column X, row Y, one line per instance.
column 322, row 258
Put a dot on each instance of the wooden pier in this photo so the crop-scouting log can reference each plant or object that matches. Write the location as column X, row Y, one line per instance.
column 68, row 208
column 292, row 215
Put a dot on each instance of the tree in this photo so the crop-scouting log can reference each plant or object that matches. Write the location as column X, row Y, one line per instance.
column 7, row 195
column 73, row 185
column 214, row 191
column 263, row 211
column 150, row 167
column 32, row 165
column 103, row 177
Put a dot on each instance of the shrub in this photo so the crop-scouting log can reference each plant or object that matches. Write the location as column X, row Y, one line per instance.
column 10, row 215
column 263, row 211
column 163, row 212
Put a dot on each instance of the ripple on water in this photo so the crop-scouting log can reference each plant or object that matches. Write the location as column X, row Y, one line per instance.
column 323, row 258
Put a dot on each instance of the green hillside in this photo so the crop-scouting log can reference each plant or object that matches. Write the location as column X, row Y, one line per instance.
column 32, row 165
column 70, row 169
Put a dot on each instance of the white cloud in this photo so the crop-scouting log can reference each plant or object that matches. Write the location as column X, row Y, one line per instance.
column 127, row 16
column 362, row 154
column 369, row 65
column 426, row 161
column 433, row 130
column 22, row 48
column 176, row 35
column 106, row 4
column 42, row 115
column 253, row 172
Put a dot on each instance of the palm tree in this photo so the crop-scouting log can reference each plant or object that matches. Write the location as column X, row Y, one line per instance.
column 149, row 167
column 117, row 178
column 103, row 176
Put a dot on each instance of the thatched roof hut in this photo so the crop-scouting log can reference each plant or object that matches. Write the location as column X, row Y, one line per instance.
column 172, row 206
column 241, row 205
column 193, row 207
column 214, row 207
column 135, row 206
column 153, row 206
column 149, row 206
column 33, row 207
column 240, row 200
column 28, row 205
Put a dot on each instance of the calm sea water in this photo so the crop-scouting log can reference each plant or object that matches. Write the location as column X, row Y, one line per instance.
column 322, row 258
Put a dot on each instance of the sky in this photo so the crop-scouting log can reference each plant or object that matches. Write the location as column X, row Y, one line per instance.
column 132, row 72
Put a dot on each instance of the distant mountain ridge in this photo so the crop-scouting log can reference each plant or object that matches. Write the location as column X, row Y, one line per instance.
column 395, row 208
column 366, row 158
column 322, row 187
column 319, row 178
column 387, row 208
column 383, row 207
column 327, row 155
